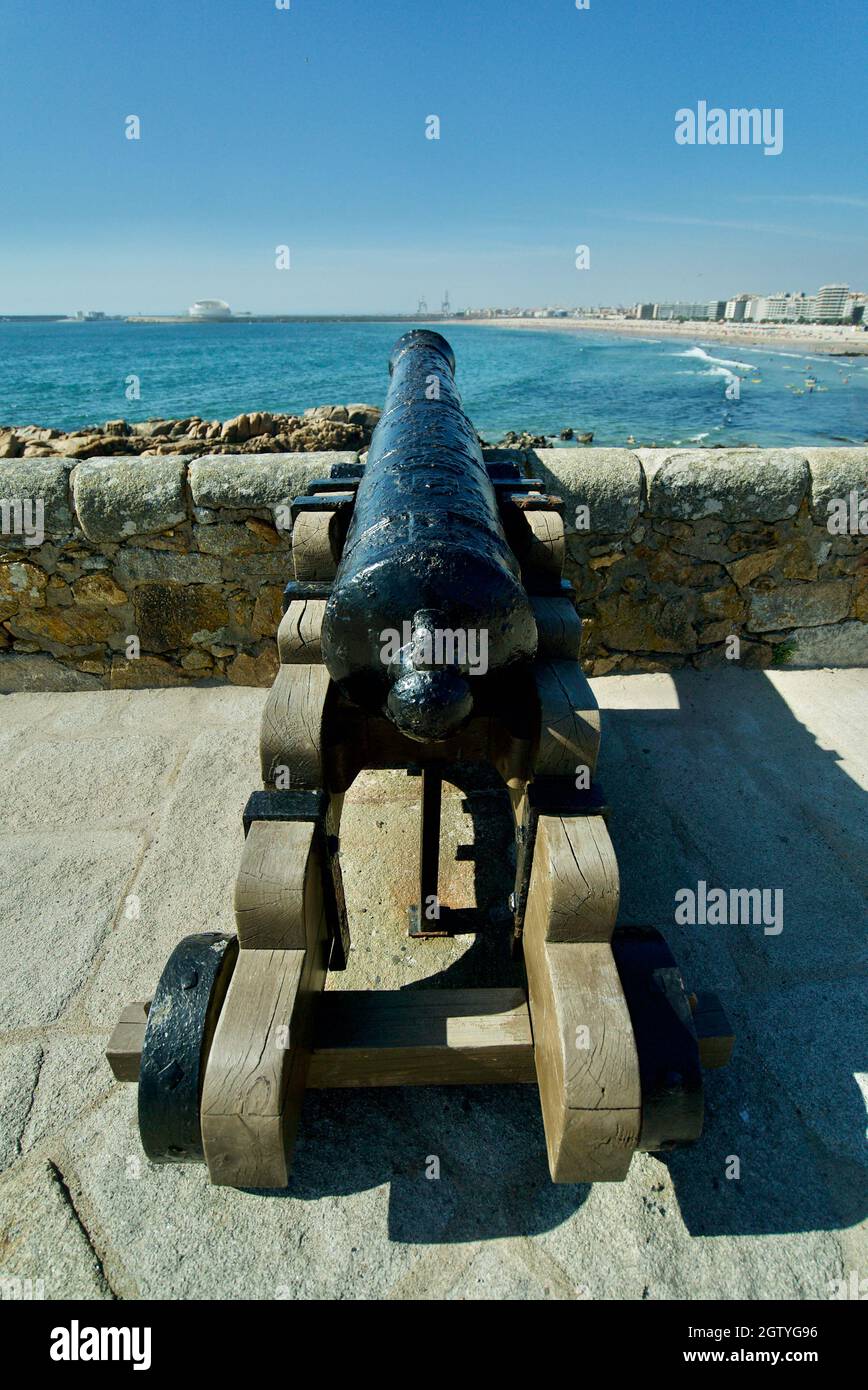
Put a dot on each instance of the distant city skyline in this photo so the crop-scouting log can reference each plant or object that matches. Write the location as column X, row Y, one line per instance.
column 301, row 136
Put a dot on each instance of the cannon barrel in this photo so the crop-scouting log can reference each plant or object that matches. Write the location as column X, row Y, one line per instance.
column 427, row 609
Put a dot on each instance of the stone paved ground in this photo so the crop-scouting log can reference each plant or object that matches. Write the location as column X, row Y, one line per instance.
column 740, row 778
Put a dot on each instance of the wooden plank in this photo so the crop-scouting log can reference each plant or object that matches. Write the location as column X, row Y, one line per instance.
column 559, row 628
column 314, row 549
column 574, row 884
column 541, row 547
column 298, row 636
column 270, row 887
column 291, row 731
column 586, row 1061
column 124, row 1051
column 257, row 1067
column 569, row 720
column 435, row 1037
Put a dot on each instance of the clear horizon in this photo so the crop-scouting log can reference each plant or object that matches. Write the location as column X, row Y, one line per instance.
column 306, row 128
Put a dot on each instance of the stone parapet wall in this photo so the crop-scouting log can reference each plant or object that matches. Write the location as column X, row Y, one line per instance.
column 161, row 570
column 680, row 551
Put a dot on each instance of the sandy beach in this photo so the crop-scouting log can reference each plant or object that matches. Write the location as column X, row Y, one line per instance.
column 832, row 339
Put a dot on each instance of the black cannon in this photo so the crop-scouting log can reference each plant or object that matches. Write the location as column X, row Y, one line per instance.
column 426, row 558
column 428, row 627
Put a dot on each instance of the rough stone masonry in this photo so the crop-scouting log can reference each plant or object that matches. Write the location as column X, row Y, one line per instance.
column 163, row 570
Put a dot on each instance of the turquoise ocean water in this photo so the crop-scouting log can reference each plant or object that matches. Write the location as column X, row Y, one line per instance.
column 660, row 391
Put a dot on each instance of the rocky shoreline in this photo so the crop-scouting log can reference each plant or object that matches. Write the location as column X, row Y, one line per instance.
column 320, row 429
column 323, row 427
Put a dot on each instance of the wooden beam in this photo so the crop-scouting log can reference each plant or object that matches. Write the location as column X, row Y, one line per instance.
column 408, row 1037
column 559, row 628
column 290, row 736
column 257, row 1068
column 434, row 1037
column 298, row 636
column 270, row 887
column 470, row 1037
column 569, row 720
column 574, row 884
column 124, row 1052
column 586, row 1060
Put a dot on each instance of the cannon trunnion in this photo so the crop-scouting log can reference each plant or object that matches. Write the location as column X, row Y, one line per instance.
column 427, row 626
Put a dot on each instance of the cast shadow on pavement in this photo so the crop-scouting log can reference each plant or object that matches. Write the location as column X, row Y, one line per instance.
column 726, row 786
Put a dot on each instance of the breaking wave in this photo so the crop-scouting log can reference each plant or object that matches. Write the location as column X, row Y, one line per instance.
column 704, row 356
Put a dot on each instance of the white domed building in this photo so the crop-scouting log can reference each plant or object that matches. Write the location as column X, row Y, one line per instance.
column 210, row 309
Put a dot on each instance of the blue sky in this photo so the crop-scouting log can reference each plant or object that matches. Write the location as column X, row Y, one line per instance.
column 306, row 127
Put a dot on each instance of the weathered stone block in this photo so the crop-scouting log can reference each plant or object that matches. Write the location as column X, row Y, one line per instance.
column 253, row 481
column 267, row 611
column 98, row 591
column 21, row 586
column 65, row 627
column 38, row 479
column 654, row 624
column 170, row 566
column 723, row 603
column 736, row 485
column 170, row 616
column 41, row 672
column 255, row 670
column 606, row 481
column 252, row 537
column 799, row 605
column 147, row 671
column 839, row 644
column 835, row 473
column 120, row 497
column 750, row 567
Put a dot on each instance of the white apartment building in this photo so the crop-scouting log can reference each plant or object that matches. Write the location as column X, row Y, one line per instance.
column 736, row 308
column 681, row 311
column 831, row 303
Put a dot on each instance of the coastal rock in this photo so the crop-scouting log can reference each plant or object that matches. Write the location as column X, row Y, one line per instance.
column 368, row 416
column 11, row 446
column 85, row 446
column 320, row 428
column 115, row 498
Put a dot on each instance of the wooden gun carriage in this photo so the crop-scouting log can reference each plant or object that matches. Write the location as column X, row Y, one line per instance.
column 427, row 542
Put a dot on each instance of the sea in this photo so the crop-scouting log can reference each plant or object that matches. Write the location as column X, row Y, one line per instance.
column 626, row 390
